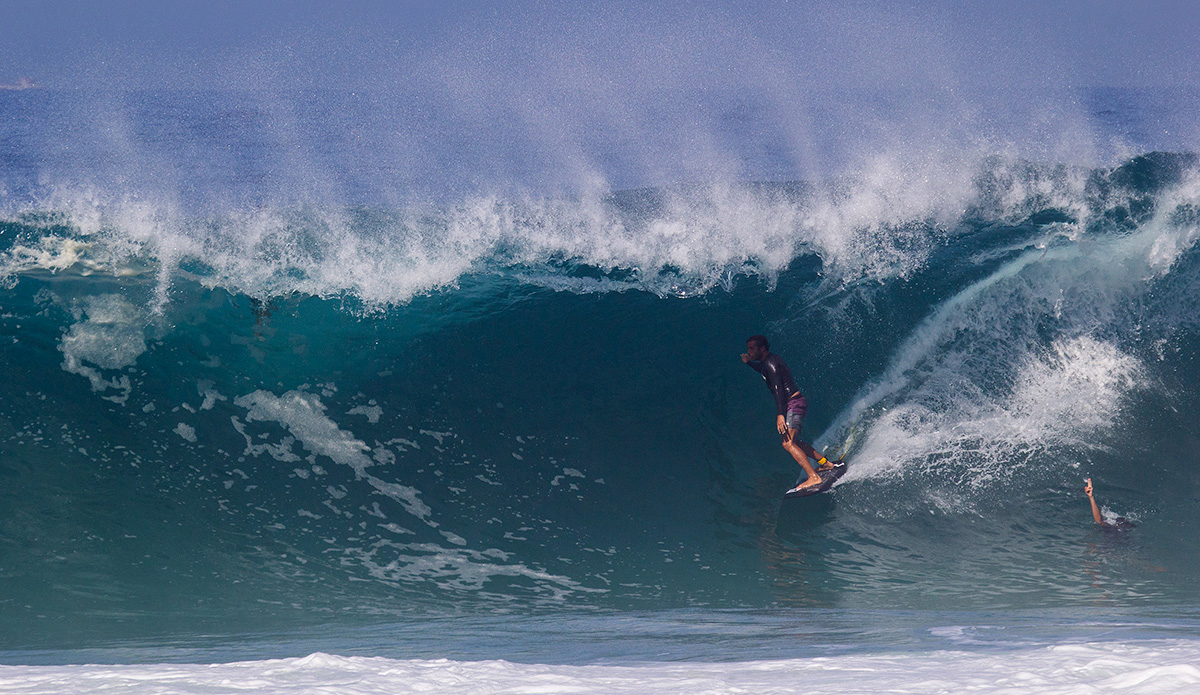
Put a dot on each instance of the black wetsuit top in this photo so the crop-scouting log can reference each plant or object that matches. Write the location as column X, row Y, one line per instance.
column 778, row 378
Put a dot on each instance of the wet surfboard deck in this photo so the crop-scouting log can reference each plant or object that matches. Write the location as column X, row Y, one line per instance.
column 828, row 478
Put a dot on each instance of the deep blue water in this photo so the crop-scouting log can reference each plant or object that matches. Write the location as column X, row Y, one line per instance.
column 262, row 377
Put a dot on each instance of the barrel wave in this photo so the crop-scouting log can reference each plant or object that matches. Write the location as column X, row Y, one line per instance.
column 314, row 413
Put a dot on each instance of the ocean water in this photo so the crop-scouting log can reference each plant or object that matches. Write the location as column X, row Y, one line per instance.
column 290, row 404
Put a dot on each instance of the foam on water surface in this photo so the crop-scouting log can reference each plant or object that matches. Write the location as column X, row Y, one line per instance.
column 1162, row 667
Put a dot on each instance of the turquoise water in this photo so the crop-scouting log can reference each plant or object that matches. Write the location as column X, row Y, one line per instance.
column 493, row 425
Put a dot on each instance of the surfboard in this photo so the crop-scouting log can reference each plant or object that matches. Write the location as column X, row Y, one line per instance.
column 828, row 478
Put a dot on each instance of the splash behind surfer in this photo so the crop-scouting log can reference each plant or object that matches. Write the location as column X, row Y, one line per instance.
column 790, row 406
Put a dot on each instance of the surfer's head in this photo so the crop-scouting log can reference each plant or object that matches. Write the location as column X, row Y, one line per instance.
column 757, row 346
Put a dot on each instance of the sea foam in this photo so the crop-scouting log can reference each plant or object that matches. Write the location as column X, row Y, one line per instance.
column 1163, row 667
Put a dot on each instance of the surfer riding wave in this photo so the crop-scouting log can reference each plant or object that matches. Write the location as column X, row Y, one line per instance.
column 790, row 405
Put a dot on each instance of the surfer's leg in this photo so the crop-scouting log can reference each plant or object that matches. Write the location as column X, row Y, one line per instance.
column 813, row 454
column 797, row 453
column 796, row 409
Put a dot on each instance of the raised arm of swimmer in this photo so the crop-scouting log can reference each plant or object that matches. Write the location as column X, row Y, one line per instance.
column 1095, row 510
column 1118, row 524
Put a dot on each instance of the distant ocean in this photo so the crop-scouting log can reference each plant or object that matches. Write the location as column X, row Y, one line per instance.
column 316, row 391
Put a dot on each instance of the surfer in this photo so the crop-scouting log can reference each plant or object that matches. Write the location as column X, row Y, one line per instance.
column 1120, row 523
column 790, row 405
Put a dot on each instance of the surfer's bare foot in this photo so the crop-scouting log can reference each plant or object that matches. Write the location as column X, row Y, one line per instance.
column 811, row 482
column 827, row 466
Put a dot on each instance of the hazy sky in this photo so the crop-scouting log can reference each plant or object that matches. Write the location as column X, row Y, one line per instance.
column 801, row 44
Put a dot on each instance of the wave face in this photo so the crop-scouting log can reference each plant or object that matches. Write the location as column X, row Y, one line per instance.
column 225, row 417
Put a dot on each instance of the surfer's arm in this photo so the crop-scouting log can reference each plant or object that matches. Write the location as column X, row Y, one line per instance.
column 768, row 371
column 1095, row 509
column 774, row 382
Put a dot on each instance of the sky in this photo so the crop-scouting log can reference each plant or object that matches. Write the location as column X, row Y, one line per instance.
column 134, row 44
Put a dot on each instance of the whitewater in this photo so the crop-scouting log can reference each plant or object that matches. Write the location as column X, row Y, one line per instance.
column 276, row 418
column 1056, row 670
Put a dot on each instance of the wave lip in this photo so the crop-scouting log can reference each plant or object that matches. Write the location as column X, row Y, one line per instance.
column 883, row 223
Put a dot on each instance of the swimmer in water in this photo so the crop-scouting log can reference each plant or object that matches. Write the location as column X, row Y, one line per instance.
column 1120, row 523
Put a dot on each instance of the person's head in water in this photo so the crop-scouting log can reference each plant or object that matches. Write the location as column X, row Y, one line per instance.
column 1120, row 522
column 757, row 347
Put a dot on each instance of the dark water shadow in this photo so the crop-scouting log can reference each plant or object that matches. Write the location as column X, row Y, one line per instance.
column 800, row 516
